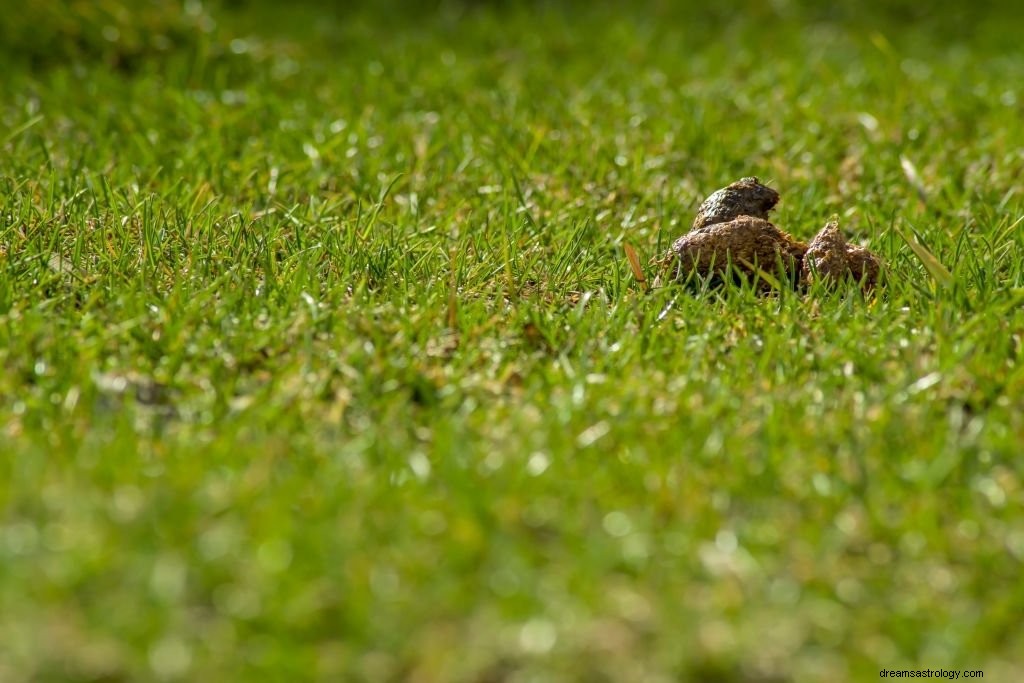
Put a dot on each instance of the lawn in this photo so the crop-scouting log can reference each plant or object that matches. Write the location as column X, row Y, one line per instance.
column 321, row 357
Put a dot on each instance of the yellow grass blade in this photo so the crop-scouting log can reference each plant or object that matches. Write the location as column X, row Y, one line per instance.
column 767, row 277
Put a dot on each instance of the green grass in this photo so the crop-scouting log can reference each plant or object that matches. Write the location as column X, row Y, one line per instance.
column 321, row 359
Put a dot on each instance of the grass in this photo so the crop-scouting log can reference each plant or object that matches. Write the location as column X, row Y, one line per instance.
column 322, row 358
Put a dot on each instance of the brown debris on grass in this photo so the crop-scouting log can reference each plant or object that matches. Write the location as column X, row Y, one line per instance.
column 731, row 233
column 831, row 259
column 745, row 197
column 746, row 245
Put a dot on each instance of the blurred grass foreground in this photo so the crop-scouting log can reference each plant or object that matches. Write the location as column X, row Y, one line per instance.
column 320, row 357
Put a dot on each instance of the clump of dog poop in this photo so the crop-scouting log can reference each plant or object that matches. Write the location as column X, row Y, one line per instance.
column 731, row 237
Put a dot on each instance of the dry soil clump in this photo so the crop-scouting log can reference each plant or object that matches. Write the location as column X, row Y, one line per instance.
column 731, row 234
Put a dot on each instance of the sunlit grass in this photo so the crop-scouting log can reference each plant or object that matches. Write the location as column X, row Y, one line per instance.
column 323, row 358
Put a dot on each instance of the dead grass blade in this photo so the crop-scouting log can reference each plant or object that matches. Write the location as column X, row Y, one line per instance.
column 634, row 265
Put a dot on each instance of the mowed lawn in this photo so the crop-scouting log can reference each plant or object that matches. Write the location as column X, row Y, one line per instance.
column 321, row 357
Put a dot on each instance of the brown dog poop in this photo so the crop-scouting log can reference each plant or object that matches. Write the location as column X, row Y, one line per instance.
column 745, row 245
column 731, row 234
column 831, row 259
column 745, row 197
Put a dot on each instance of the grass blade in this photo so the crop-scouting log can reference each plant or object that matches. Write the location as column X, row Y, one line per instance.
column 634, row 265
column 938, row 272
